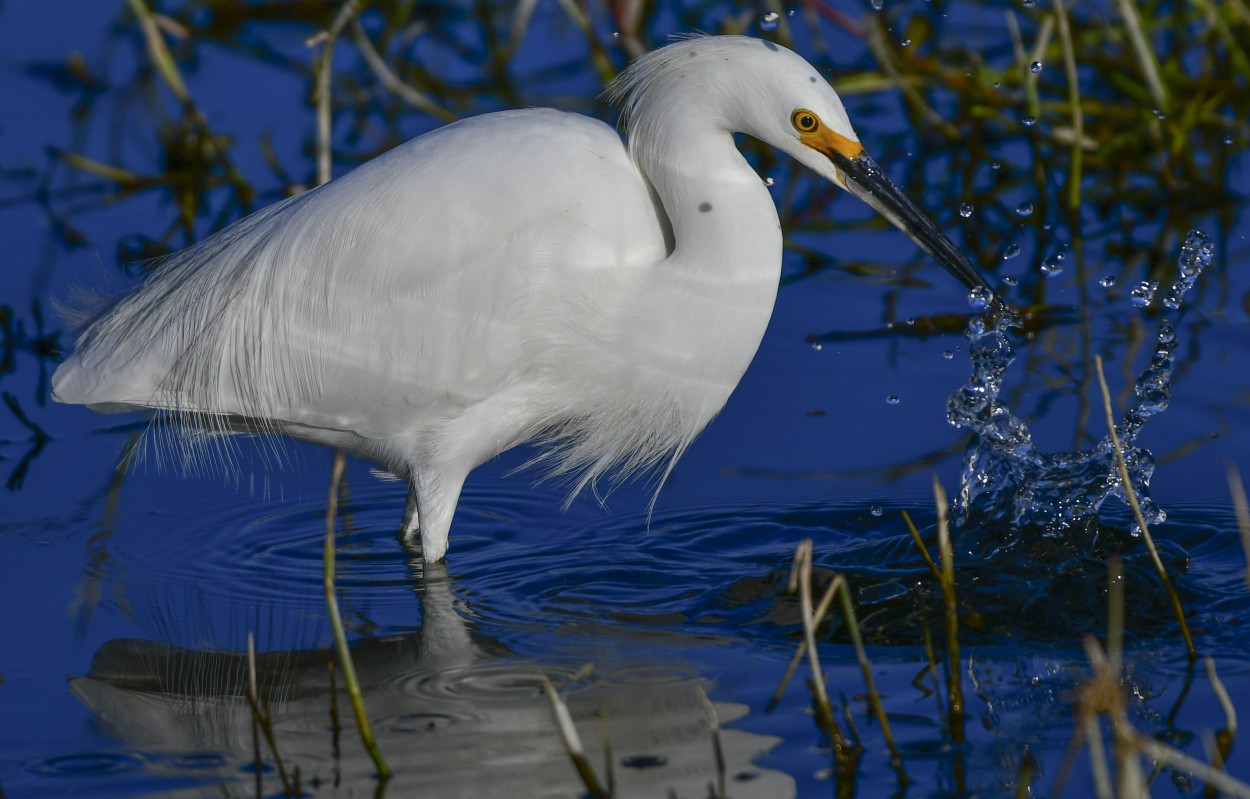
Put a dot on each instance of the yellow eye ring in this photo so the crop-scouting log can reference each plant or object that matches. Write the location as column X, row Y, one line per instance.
column 804, row 121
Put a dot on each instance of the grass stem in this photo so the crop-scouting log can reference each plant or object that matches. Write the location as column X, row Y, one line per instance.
column 954, row 671
column 1137, row 514
column 1074, row 99
column 573, row 743
column 924, row 551
column 336, row 622
column 865, row 667
column 1241, row 510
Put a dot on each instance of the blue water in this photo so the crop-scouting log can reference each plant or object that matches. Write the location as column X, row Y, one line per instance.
column 142, row 586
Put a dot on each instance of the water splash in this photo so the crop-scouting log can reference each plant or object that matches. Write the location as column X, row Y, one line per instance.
column 1007, row 485
column 1143, row 293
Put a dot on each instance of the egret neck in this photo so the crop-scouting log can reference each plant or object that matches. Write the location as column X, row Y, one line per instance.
column 706, row 306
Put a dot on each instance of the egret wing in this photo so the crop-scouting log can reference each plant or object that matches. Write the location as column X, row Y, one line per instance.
column 400, row 293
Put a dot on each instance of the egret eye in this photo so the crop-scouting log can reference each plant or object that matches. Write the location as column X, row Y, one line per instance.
column 804, row 121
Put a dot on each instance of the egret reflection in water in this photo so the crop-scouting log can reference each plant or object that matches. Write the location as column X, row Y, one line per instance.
column 457, row 713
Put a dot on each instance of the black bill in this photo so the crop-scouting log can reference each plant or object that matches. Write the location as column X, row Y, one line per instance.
column 866, row 181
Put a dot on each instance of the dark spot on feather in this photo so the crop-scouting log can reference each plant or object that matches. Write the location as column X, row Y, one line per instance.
column 705, row 207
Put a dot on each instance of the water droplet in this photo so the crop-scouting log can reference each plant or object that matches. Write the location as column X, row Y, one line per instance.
column 997, row 84
column 911, row 320
column 1011, row 252
column 979, row 298
column 1196, row 255
column 994, row 165
column 1059, row 256
column 876, row 510
column 905, row 42
column 1143, row 293
column 892, row 399
column 1107, row 282
column 790, row 13
column 1024, row 209
column 816, row 345
column 616, row 34
column 1028, row 3
column 1051, row 268
column 1035, row 67
column 878, row 4
column 1009, row 280
column 770, row 21
column 948, row 354
column 966, row 209
column 1159, row 113
column 1228, row 139
column 1028, row 122
column 769, row 181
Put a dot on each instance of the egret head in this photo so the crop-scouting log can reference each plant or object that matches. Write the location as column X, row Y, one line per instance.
column 766, row 91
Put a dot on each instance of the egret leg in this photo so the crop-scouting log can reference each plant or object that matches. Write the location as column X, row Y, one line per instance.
column 428, row 513
column 410, row 527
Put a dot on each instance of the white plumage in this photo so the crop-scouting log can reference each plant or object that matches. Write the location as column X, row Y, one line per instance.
column 512, row 277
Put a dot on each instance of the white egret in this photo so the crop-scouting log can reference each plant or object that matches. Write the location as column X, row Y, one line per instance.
column 517, row 276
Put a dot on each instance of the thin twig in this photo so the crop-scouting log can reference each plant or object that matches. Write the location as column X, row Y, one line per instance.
column 598, row 56
column 876, row 42
column 325, row 64
column 396, row 86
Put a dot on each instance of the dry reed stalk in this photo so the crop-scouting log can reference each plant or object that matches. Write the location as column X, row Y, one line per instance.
column 573, row 743
column 1241, row 510
column 1137, row 514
